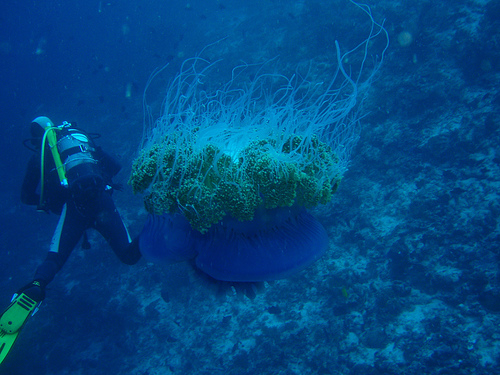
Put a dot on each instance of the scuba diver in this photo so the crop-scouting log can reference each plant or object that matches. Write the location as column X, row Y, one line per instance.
column 75, row 182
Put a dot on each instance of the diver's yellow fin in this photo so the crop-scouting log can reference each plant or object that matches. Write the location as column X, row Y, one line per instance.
column 13, row 319
column 16, row 314
column 6, row 342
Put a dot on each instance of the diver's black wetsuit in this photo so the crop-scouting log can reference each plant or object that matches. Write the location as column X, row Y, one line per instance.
column 88, row 206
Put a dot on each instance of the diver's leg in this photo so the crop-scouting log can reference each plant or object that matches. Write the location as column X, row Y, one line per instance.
column 110, row 224
column 26, row 301
column 68, row 232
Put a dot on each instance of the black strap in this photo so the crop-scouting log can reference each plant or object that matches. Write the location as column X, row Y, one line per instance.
column 76, row 150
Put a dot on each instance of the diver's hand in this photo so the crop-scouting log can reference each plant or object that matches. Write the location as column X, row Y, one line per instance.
column 113, row 186
column 35, row 290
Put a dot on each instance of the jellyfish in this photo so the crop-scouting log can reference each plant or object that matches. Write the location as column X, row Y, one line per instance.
column 231, row 173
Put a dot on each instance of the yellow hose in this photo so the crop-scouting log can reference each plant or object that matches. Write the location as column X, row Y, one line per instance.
column 50, row 135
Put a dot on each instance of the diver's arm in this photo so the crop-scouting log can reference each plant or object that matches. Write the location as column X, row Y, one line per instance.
column 109, row 164
column 30, row 183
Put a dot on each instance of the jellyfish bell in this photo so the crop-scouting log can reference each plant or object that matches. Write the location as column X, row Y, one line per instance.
column 274, row 245
column 167, row 239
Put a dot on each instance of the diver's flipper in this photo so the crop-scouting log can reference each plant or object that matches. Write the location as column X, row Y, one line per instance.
column 6, row 343
column 13, row 320
column 17, row 313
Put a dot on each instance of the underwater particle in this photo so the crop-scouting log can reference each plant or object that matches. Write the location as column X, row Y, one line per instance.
column 405, row 38
column 125, row 29
column 128, row 90
column 40, row 48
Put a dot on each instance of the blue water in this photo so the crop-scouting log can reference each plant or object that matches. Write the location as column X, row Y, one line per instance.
column 410, row 282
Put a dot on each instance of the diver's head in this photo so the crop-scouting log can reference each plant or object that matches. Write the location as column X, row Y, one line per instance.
column 38, row 127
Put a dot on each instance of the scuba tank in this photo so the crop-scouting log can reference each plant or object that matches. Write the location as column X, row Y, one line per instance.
column 85, row 179
column 76, row 151
column 77, row 167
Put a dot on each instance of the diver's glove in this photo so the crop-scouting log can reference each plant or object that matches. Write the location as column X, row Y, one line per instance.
column 34, row 290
